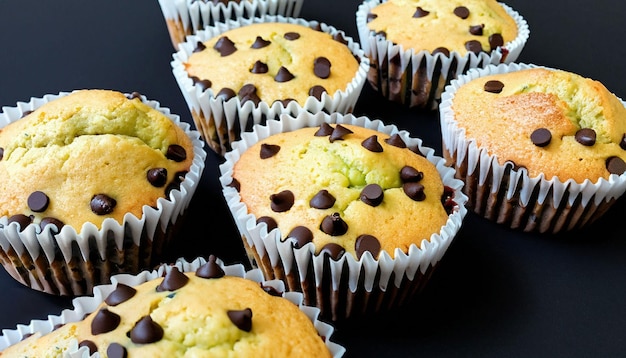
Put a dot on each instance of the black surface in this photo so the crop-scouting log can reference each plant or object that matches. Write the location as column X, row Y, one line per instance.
column 497, row 292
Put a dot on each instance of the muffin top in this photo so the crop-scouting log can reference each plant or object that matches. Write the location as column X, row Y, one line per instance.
column 444, row 26
column 347, row 189
column 548, row 121
column 273, row 62
column 193, row 314
column 88, row 156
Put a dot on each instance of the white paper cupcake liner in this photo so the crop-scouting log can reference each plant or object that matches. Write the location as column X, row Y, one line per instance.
column 222, row 122
column 186, row 17
column 417, row 78
column 345, row 287
column 74, row 260
column 510, row 196
column 87, row 304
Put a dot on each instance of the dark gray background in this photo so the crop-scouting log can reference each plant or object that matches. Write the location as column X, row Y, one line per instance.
column 497, row 293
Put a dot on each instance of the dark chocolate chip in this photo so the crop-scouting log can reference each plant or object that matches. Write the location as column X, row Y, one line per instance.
column 477, row 30
column 104, row 321
column 91, row 346
column 317, row 91
column 102, row 204
column 622, row 143
column 419, row 12
column 1, row 153
column 21, row 219
column 442, row 50
column 371, row 144
column 333, row 250
column 146, row 331
column 226, row 93
column 134, row 95
column 157, row 177
column 493, row 86
column 300, row 235
column 321, row 67
column 367, row 243
column 396, row 141
column 410, row 174
column 338, row 133
column 203, row 84
column 371, row 17
column 116, row 350
column 235, row 184
column 200, row 46
column 285, row 102
column 340, row 38
column 282, row 201
column 51, row 221
column 326, row 129
column 259, row 42
column 248, row 93
column 414, row 191
column 269, row 221
column 334, row 225
column 474, row 46
column 541, row 137
column 283, row 75
column 586, row 136
column 372, row 195
column 462, row 12
column 322, row 200
column 122, row 293
column 259, row 67
column 225, row 46
column 496, row 40
column 270, row 290
column 316, row 26
column 176, row 153
column 175, row 184
column 268, row 150
column 241, row 318
column 615, row 165
column 447, row 199
column 291, row 36
column 211, row 269
column 38, row 201
column 173, row 280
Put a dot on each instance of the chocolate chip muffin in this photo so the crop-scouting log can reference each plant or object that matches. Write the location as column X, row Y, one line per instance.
column 244, row 73
column 96, row 164
column 539, row 149
column 200, row 310
column 345, row 195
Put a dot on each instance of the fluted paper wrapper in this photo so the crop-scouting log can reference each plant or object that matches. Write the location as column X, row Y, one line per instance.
column 74, row 260
column 222, row 122
column 87, row 304
column 510, row 196
column 345, row 287
column 416, row 78
column 186, row 17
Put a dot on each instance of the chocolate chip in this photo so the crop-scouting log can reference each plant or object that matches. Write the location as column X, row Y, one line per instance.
column 241, row 318
column 477, row 30
column 102, row 204
column 1, row 153
column 316, row 26
column 317, row 91
column 410, row 174
column 615, row 165
column 447, row 199
column 270, row 290
column 122, row 293
column 340, row 38
column 622, row 143
column 268, row 150
column 300, row 235
column 321, row 67
column 203, row 84
column 442, row 50
column 474, row 46
column 51, row 221
column 291, row 36
column 235, row 184
column 285, row 102
column 225, row 46
column 248, row 93
column 21, row 219
column 419, row 12
column 496, row 40
column 259, row 67
column 371, row 17
column 372, row 195
column 462, row 12
column 414, row 191
column 176, row 153
column 334, row 225
column 200, row 46
column 371, row 144
column 541, row 137
column 283, row 75
column 116, row 350
column 493, row 86
column 367, row 243
column 173, row 280
column 134, row 95
column 146, row 331
column 322, row 200
column 333, row 250
column 259, row 42
column 226, row 93
column 38, row 201
column 104, row 321
column 282, row 201
column 91, row 346
column 326, row 129
column 175, row 184
column 157, row 177
column 210, row 269
column 396, row 141
column 586, row 136
column 270, row 222
column 338, row 133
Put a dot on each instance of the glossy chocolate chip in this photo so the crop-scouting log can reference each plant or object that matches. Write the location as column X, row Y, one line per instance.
column 268, row 150
column 615, row 165
column 586, row 136
column 285, row 102
column 321, row 67
column 474, row 46
column 477, row 30
column 367, row 243
column 334, row 225
column 1, row 153
column 241, row 318
column 235, row 184
column 291, row 36
column 338, row 133
column 283, row 75
column 270, row 222
column 211, row 269
column 200, row 46
column 371, row 144
column 371, row 17
column 259, row 42
column 300, row 235
column 541, row 137
column 176, row 153
column 116, row 350
column 333, row 250
column 146, row 331
column 396, row 141
column 122, row 293
column 248, row 93
column 259, row 67
column 21, row 219
column 157, row 177
column 226, row 93
column 442, row 50
column 281, row 202
column 622, row 143
column 322, row 200
column 372, row 195
column 38, row 201
column 104, row 321
column 134, row 95
column 317, row 91
column 203, row 84
column 419, row 12
column 338, row 36
column 410, row 174
column 493, row 86
column 102, row 204
column 447, row 199
column 91, row 346
column 173, row 280
column 462, row 12
column 325, row 129
column 270, row 290
column 225, row 46
column 496, row 40
column 51, row 221
column 414, row 191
